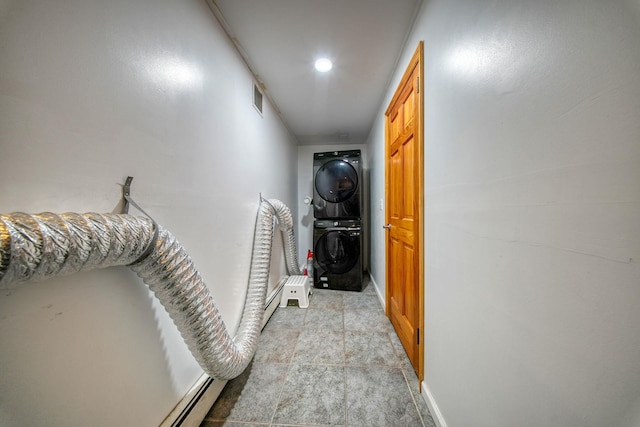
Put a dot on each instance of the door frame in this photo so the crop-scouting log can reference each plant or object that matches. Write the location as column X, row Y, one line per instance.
column 417, row 60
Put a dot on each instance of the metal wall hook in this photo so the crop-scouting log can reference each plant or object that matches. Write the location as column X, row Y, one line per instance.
column 126, row 191
column 263, row 200
column 128, row 200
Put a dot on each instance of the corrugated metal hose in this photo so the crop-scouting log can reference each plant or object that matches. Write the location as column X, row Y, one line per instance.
column 35, row 247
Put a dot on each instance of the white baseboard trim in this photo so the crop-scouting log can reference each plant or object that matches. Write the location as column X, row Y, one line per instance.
column 433, row 406
column 375, row 286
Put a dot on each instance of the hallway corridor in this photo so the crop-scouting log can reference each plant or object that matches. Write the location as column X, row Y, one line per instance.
column 337, row 363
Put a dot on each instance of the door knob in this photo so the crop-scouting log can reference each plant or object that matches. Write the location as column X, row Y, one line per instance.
column 387, row 227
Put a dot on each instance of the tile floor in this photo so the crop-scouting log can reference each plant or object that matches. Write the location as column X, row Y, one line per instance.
column 336, row 363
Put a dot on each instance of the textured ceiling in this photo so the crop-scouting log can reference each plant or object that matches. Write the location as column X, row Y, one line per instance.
column 280, row 40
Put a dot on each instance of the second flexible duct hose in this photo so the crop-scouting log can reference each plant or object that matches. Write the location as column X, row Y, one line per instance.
column 35, row 247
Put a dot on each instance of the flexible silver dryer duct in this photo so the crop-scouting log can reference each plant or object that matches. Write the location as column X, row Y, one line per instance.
column 34, row 247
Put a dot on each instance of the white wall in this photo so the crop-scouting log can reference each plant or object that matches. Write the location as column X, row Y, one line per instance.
column 91, row 92
column 305, row 188
column 532, row 193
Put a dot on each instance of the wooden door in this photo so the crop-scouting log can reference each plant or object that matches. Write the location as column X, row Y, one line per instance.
column 404, row 212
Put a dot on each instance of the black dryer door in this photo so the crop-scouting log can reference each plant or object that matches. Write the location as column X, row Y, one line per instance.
column 336, row 181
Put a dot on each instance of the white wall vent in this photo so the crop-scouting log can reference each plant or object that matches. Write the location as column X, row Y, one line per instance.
column 257, row 98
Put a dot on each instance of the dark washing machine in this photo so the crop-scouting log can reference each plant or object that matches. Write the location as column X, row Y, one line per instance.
column 336, row 184
column 337, row 254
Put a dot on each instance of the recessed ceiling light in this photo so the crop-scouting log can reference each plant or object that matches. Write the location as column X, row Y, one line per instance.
column 323, row 65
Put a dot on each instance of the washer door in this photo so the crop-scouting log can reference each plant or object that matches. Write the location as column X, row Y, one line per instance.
column 336, row 181
column 337, row 252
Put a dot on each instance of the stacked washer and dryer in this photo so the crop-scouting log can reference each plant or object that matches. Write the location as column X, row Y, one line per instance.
column 337, row 229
